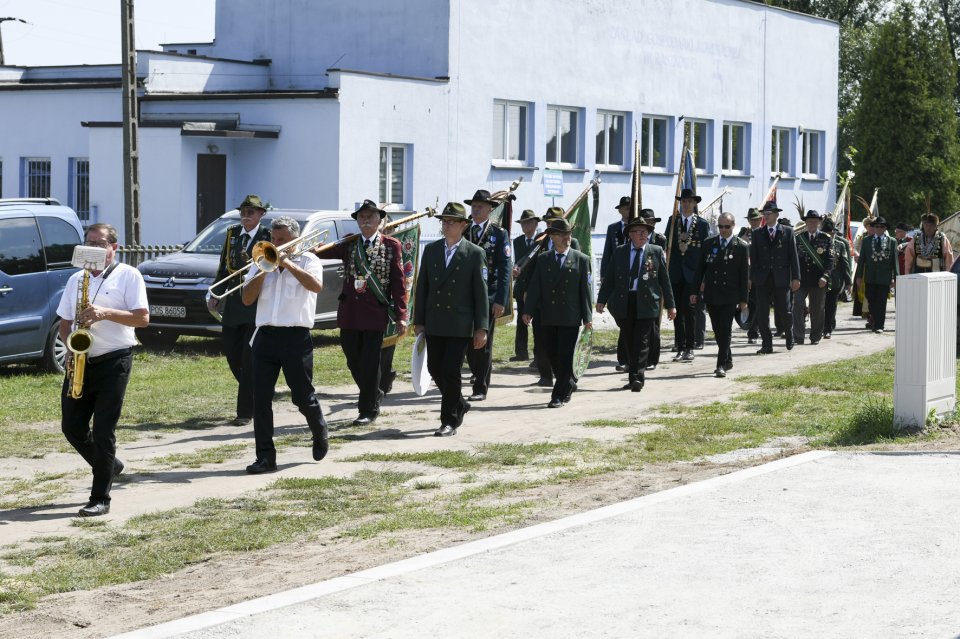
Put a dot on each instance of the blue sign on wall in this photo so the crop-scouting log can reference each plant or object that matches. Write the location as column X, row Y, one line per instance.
column 553, row 183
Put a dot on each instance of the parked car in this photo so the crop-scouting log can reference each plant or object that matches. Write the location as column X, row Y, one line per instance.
column 177, row 283
column 37, row 237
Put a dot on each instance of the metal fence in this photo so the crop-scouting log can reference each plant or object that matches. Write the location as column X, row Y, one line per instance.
column 135, row 255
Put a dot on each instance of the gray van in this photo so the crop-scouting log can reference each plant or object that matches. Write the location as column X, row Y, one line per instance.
column 37, row 236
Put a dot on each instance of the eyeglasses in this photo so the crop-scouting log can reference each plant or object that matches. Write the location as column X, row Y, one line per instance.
column 98, row 244
column 724, row 226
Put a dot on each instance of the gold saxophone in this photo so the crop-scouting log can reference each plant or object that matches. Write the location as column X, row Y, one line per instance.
column 79, row 341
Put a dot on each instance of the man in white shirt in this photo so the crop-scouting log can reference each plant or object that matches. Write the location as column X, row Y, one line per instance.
column 117, row 305
column 286, row 301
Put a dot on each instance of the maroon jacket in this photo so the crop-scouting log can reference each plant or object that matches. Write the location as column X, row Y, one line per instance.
column 360, row 310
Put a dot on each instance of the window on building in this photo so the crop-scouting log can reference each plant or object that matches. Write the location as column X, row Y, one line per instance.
column 610, row 138
column 653, row 142
column 781, row 153
column 812, row 153
column 698, row 133
column 563, row 131
column 510, row 131
column 393, row 171
column 36, row 177
column 79, row 187
column 735, row 145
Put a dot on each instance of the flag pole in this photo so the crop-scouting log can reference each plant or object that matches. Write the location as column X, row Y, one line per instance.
column 676, row 200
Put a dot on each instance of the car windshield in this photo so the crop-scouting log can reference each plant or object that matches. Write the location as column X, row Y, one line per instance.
column 210, row 239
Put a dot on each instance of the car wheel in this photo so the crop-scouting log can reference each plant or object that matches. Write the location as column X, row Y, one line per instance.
column 157, row 339
column 55, row 352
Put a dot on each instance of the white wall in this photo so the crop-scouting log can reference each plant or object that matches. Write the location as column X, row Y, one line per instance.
column 304, row 39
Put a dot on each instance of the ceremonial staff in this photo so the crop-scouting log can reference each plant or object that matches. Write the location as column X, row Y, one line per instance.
column 676, row 200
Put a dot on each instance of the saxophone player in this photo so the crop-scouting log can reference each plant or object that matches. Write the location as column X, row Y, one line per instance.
column 110, row 304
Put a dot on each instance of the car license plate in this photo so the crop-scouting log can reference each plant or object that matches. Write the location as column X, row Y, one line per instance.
column 168, row 311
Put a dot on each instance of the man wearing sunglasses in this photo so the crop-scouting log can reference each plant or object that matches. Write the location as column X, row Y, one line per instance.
column 722, row 280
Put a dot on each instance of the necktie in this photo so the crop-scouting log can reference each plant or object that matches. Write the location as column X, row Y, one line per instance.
column 448, row 253
column 723, row 245
column 529, row 243
column 366, row 244
column 773, row 233
column 247, row 238
column 635, row 269
column 476, row 232
column 560, row 260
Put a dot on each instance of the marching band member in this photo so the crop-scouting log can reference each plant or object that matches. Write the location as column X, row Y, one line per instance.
column 560, row 294
column 636, row 283
column 286, row 303
column 452, row 308
column 373, row 292
column 117, row 305
column 238, row 319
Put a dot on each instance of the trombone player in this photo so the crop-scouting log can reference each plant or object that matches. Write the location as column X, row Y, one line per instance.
column 109, row 304
column 239, row 320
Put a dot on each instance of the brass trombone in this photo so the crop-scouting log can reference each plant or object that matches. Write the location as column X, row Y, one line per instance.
column 266, row 257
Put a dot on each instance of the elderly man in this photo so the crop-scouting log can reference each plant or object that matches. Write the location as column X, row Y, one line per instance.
column 817, row 261
column 723, row 278
column 755, row 220
column 561, row 295
column 774, row 272
column 373, row 293
column 452, row 308
column 930, row 251
column 117, row 305
column 688, row 231
column 523, row 245
column 496, row 247
column 636, row 285
column 239, row 320
column 877, row 272
column 286, row 300
column 617, row 236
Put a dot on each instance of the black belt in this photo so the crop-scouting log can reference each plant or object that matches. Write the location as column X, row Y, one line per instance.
column 123, row 352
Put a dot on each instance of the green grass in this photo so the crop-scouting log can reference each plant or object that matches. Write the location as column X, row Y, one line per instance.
column 198, row 458
column 40, row 490
column 608, row 423
column 484, row 456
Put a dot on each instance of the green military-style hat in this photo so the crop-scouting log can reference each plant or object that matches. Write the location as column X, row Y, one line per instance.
column 454, row 211
column 369, row 205
column 553, row 213
column 253, row 201
column 528, row 214
column 754, row 214
column 558, row 226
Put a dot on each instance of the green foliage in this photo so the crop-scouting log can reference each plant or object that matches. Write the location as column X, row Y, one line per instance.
column 906, row 122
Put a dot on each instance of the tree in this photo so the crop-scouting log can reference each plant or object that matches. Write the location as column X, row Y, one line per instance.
column 905, row 123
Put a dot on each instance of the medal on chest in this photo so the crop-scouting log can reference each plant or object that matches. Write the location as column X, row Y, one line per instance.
column 360, row 284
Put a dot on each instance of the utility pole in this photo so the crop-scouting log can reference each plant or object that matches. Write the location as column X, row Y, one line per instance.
column 2, row 20
column 131, row 153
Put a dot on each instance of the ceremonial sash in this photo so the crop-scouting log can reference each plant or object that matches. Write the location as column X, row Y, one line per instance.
column 361, row 262
column 804, row 240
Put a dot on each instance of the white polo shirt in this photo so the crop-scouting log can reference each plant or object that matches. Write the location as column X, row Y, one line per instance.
column 123, row 289
column 283, row 300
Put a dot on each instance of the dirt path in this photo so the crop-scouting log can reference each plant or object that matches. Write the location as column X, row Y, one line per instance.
column 514, row 412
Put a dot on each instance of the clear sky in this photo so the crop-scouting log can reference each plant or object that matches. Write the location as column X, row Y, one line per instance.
column 88, row 31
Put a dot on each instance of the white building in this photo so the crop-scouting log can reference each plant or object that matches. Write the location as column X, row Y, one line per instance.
column 321, row 104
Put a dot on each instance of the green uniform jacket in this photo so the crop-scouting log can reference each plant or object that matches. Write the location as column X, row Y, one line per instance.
column 842, row 274
column 877, row 265
column 613, row 290
column 561, row 296
column 232, row 258
column 452, row 301
column 724, row 273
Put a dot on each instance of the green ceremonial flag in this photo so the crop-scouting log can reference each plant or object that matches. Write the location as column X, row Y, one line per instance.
column 410, row 248
column 579, row 218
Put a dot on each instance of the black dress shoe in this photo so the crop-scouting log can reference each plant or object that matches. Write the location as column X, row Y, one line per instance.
column 466, row 407
column 520, row 358
column 720, row 372
column 445, row 431
column 790, row 344
column 117, row 467
column 264, row 466
column 651, row 367
column 878, row 330
column 688, row 356
column 765, row 350
column 573, row 387
column 364, row 420
column 241, row 421
column 621, row 368
column 728, row 365
column 545, row 382
column 751, row 340
column 477, row 397
column 678, row 356
column 95, row 509
column 626, row 386
column 636, row 387
column 826, row 336
column 698, row 346
column 778, row 334
column 814, row 342
column 556, row 402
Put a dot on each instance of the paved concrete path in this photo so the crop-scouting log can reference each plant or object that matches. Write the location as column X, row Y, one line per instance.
column 817, row 545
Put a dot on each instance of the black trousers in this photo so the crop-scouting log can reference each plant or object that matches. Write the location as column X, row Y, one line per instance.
column 236, row 346
column 444, row 359
column 561, row 341
column 104, row 385
column 830, row 311
column 362, row 350
column 540, row 354
column 753, row 332
column 685, row 325
column 387, row 374
column 721, row 318
column 779, row 297
column 290, row 349
column 876, row 295
column 654, row 357
column 521, row 339
column 481, row 361
column 636, row 334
